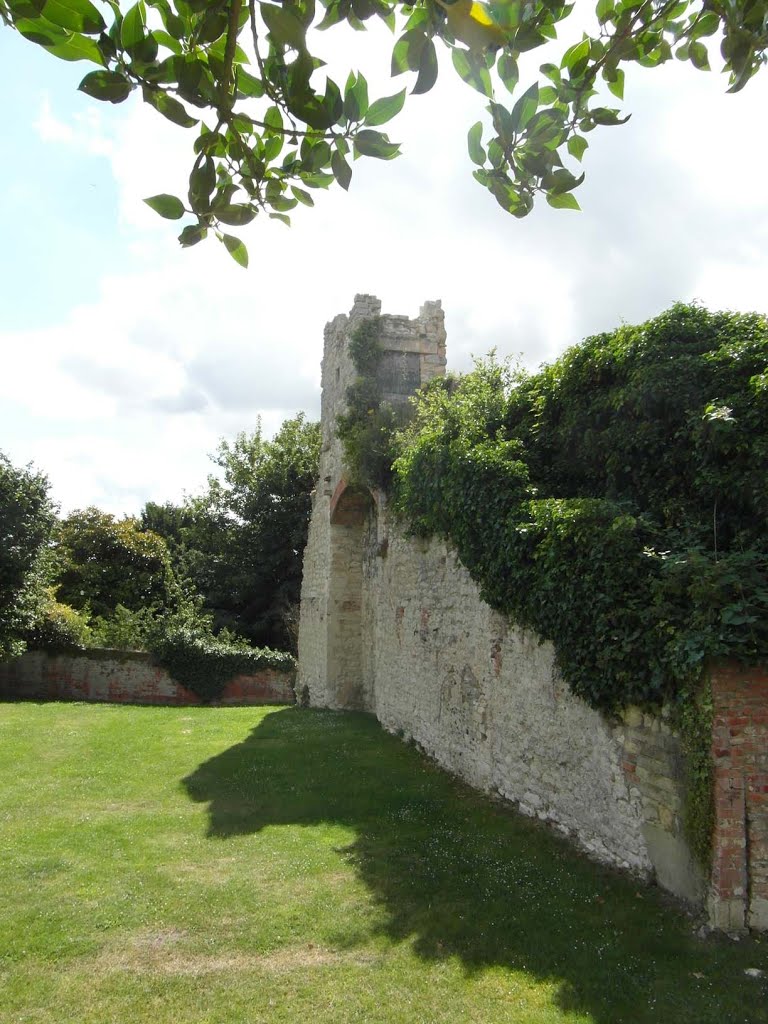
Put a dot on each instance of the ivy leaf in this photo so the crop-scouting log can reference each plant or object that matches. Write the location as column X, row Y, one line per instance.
column 385, row 109
column 236, row 250
column 167, row 206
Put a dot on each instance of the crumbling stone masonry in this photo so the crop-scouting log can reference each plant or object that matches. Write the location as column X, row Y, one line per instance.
column 396, row 627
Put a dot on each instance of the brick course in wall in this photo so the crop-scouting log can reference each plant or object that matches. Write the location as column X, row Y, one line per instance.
column 739, row 886
column 126, row 677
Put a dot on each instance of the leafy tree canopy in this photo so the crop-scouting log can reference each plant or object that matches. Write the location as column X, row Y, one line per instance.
column 241, row 542
column 104, row 562
column 26, row 520
column 271, row 126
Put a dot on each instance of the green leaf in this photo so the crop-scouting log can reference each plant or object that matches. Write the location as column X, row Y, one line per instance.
column 74, row 15
column 248, row 84
column 237, row 214
column 577, row 145
column 134, row 24
column 604, row 10
column 236, row 250
column 563, row 201
column 281, row 217
column 284, row 26
column 355, row 97
column 302, row 196
column 376, row 144
column 202, row 180
column 525, row 108
column 77, row 47
column 616, row 84
column 474, row 137
column 342, row 172
column 167, row 206
column 169, row 107
column 192, row 234
column 427, row 69
column 406, row 55
column 576, row 58
column 607, row 115
column 385, row 109
column 698, row 55
column 106, row 85
column 508, row 71
column 472, row 71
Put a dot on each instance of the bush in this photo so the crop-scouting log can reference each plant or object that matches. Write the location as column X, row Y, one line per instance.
column 616, row 502
column 125, row 629
column 59, row 628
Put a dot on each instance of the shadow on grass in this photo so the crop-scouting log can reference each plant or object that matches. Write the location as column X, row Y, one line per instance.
column 460, row 876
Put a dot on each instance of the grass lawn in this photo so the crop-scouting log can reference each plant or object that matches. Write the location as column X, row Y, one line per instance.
column 172, row 865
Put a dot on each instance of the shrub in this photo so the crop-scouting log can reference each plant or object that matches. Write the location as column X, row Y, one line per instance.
column 58, row 627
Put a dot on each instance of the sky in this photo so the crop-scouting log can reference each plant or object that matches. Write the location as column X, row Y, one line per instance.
column 125, row 359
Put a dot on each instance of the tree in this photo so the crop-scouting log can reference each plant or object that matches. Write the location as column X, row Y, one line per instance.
column 241, row 542
column 26, row 520
column 104, row 562
column 268, row 134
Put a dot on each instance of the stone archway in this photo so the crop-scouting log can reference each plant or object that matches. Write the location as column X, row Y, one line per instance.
column 349, row 510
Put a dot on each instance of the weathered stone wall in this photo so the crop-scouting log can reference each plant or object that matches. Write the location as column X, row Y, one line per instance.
column 334, row 658
column 126, row 677
column 396, row 626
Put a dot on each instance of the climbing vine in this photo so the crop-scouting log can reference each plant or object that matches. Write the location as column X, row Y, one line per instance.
column 692, row 717
column 616, row 502
column 367, row 428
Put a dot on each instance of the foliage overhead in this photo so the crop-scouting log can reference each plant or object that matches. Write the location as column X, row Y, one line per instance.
column 26, row 520
column 271, row 126
column 615, row 502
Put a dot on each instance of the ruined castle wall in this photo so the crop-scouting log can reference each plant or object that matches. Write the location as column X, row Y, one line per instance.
column 437, row 665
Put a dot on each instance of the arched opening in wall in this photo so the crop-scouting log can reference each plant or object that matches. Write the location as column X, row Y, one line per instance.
column 350, row 508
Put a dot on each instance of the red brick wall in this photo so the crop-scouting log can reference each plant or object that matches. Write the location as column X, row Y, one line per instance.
column 126, row 677
column 739, row 884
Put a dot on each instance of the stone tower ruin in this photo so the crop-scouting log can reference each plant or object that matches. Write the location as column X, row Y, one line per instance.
column 333, row 668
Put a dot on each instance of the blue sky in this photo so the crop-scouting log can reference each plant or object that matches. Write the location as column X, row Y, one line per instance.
column 125, row 359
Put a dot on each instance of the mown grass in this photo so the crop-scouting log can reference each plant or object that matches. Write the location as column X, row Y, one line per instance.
column 247, row 865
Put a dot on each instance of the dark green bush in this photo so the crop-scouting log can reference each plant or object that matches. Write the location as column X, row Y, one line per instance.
column 205, row 664
column 616, row 502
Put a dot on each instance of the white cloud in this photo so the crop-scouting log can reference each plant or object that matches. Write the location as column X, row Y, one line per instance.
column 156, row 363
